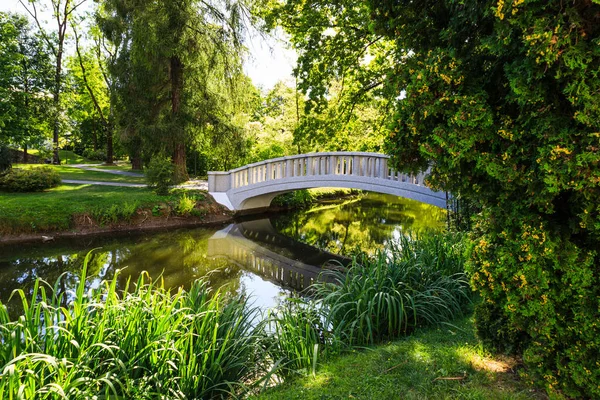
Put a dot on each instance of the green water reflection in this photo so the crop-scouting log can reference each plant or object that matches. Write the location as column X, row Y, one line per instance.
column 367, row 223
column 256, row 258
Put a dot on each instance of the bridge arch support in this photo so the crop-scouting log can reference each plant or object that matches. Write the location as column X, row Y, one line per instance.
column 254, row 186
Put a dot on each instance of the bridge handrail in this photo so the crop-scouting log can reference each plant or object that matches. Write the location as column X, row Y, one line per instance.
column 347, row 163
column 319, row 154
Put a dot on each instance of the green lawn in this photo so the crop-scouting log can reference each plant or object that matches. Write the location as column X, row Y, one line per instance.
column 67, row 157
column 53, row 209
column 67, row 172
column 442, row 363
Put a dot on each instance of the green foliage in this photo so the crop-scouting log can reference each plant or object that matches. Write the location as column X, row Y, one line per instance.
column 343, row 71
column 417, row 282
column 185, row 205
column 500, row 99
column 94, row 155
column 296, row 199
column 159, row 106
column 25, row 76
column 159, row 174
column 114, row 213
column 540, row 290
column 30, row 180
column 299, row 337
column 138, row 343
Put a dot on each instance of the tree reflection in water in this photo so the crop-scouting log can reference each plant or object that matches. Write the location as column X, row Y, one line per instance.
column 179, row 257
column 367, row 223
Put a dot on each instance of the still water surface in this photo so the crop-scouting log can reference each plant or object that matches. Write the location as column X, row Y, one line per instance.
column 266, row 257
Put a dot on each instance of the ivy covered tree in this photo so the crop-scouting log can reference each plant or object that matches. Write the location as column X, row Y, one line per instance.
column 502, row 99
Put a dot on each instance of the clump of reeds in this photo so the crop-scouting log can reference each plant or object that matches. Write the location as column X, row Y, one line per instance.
column 141, row 342
column 412, row 283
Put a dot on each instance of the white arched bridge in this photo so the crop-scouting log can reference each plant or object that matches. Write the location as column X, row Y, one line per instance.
column 254, row 186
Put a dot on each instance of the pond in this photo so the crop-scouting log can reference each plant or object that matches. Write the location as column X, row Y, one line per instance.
column 265, row 257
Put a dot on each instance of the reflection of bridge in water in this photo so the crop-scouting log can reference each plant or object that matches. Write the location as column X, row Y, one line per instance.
column 257, row 246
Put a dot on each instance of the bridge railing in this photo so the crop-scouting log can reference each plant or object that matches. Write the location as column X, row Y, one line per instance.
column 359, row 164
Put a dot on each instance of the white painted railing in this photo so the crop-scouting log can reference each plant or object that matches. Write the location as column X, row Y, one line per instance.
column 358, row 164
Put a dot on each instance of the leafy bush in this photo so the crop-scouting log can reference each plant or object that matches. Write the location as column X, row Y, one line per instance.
column 502, row 103
column 159, row 174
column 185, row 205
column 295, row 199
column 30, row 180
column 96, row 155
column 142, row 342
column 541, row 293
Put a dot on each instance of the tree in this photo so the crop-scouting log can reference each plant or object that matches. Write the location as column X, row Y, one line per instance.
column 343, row 70
column 177, row 58
column 25, row 83
column 98, row 84
column 501, row 100
column 62, row 12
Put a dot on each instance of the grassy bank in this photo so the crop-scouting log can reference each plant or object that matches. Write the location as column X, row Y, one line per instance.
column 435, row 363
column 151, row 342
column 73, row 173
column 74, row 206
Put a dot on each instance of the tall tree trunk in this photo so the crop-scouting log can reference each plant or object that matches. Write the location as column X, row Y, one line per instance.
column 109, row 145
column 25, row 155
column 109, row 133
column 178, row 137
column 56, row 159
column 136, row 151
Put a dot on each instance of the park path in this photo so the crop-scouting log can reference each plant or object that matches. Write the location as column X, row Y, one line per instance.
column 194, row 184
column 91, row 167
column 122, row 184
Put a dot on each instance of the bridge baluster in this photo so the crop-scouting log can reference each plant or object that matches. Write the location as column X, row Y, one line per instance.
column 288, row 169
column 332, row 165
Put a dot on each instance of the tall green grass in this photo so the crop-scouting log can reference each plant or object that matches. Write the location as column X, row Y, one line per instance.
column 298, row 336
column 146, row 341
column 143, row 342
column 414, row 282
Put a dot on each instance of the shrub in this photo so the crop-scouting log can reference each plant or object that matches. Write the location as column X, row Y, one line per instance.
column 159, row 174
column 96, row 155
column 30, row 180
column 295, row 199
column 541, row 295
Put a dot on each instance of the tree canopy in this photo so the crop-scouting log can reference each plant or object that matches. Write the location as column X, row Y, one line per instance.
column 500, row 99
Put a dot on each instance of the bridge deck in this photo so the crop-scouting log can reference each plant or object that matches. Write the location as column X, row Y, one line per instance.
column 254, row 186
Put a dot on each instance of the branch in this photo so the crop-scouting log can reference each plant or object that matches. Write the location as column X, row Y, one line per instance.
column 85, row 81
column 39, row 25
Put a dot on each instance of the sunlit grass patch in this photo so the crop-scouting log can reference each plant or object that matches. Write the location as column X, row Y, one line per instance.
column 73, row 173
column 432, row 363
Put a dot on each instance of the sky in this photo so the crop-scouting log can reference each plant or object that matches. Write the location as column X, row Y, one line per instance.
column 269, row 60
